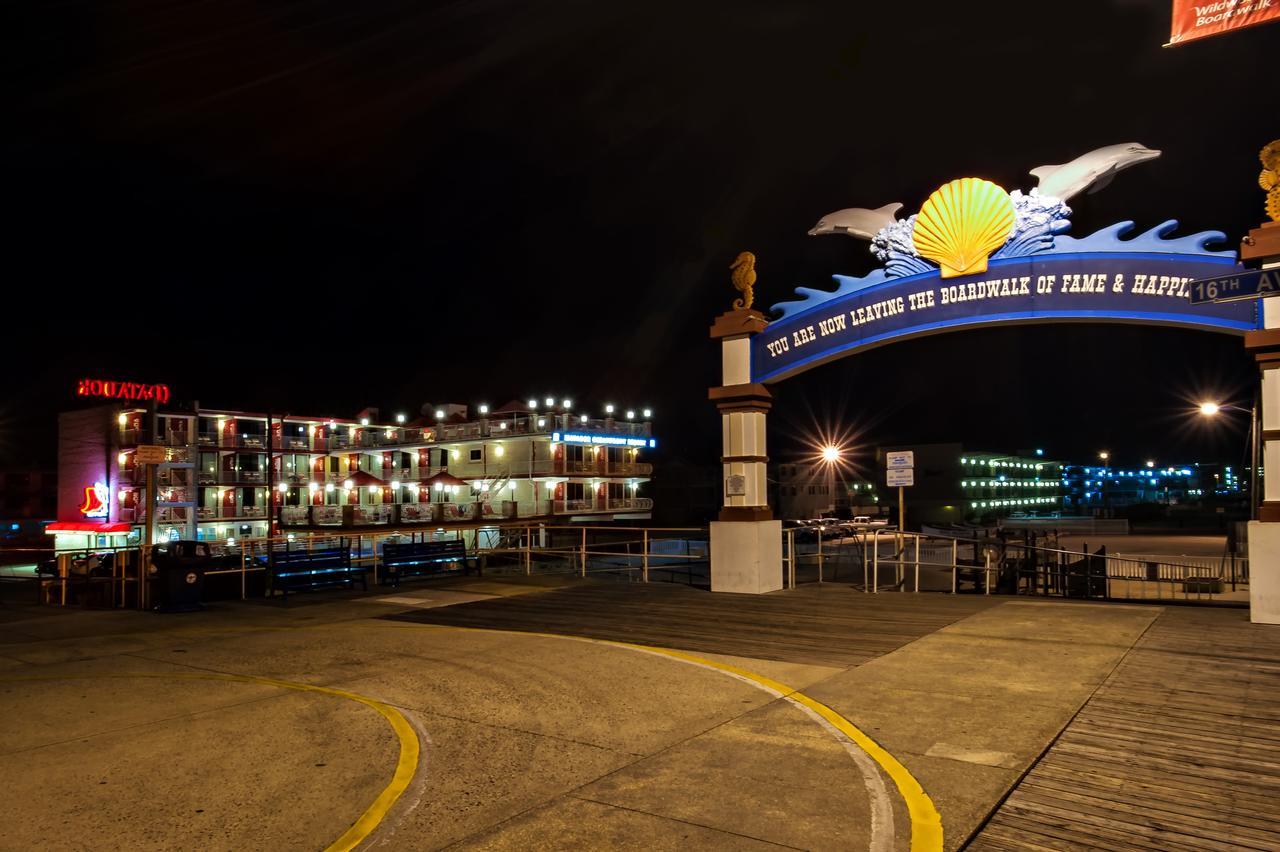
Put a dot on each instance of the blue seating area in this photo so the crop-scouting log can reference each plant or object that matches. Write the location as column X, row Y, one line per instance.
column 299, row 569
column 424, row 558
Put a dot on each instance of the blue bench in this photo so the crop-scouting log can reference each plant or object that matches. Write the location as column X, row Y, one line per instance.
column 298, row 569
column 423, row 558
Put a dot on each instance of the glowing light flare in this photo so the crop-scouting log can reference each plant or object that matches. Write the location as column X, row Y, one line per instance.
column 1208, row 409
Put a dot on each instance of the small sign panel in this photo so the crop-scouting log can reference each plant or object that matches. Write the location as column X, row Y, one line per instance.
column 1248, row 284
column 735, row 486
column 149, row 454
column 899, row 460
column 901, row 477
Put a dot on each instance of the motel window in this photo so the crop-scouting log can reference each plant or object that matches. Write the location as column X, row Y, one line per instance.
column 617, row 491
column 477, row 454
column 247, row 496
column 575, row 491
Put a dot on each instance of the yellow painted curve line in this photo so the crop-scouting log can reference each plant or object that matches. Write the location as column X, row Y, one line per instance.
column 406, row 766
column 926, row 822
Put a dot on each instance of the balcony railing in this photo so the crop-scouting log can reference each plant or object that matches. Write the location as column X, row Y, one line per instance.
column 166, row 438
column 230, row 513
column 630, row 468
column 613, row 505
column 634, row 503
column 374, row 514
column 560, row 506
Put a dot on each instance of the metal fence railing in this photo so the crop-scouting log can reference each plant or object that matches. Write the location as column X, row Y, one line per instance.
column 876, row 560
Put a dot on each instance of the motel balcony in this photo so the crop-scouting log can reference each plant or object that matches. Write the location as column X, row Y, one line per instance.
column 390, row 514
column 634, row 504
column 168, row 476
column 164, row 514
column 230, row 513
column 231, row 477
column 167, row 438
column 386, row 437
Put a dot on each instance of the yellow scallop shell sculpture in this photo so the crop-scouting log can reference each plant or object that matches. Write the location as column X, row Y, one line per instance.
column 962, row 223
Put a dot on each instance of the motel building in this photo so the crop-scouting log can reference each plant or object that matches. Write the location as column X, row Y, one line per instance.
column 229, row 474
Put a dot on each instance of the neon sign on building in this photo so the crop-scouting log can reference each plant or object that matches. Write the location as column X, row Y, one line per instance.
column 122, row 390
column 611, row 440
column 97, row 500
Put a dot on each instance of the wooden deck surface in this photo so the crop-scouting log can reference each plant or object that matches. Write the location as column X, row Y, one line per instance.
column 821, row 625
column 1178, row 750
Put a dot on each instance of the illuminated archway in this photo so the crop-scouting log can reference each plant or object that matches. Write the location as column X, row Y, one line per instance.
column 973, row 256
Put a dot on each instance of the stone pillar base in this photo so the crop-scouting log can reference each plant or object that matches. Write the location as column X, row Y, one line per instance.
column 1264, row 572
column 746, row 556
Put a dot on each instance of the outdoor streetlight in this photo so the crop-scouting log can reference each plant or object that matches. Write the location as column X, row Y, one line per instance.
column 399, row 418
column 648, row 412
column 631, row 415
column 1211, row 409
column 484, row 409
column 830, row 454
column 533, row 405
column 1104, row 455
column 1150, row 463
column 608, row 409
column 439, row 413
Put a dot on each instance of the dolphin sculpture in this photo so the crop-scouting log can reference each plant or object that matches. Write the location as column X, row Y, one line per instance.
column 1091, row 172
column 856, row 221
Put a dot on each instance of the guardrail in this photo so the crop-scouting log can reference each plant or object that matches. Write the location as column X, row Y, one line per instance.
column 632, row 554
column 877, row 560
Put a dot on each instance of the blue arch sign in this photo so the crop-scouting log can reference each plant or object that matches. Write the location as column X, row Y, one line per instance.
column 1100, row 278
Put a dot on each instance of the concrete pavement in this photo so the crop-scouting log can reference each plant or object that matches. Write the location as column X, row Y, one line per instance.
column 529, row 741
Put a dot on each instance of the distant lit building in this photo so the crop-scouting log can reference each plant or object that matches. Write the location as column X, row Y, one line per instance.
column 859, row 497
column 806, row 490
column 955, row 485
column 229, row 474
column 1099, row 489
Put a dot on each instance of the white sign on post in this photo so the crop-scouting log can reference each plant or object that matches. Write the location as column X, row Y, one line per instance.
column 899, row 460
column 901, row 477
column 149, row 454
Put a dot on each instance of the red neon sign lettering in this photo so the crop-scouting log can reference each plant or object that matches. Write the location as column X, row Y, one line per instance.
column 123, row 390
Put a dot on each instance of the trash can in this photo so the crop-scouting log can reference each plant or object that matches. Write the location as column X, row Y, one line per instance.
column 179, row 568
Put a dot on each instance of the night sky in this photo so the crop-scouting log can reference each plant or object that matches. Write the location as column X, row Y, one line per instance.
column 318, row 205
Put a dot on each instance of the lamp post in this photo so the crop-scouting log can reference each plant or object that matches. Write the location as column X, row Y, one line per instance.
column 1212, row 409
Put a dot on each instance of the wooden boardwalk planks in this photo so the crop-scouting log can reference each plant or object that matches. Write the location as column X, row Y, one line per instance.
column 1178, row 750
column 829, row 625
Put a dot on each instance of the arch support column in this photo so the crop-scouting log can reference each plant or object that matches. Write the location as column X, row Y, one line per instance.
column 746, row 542
column 1263, row 244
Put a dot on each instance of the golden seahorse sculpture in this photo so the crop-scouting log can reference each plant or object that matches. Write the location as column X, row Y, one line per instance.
column 744, row 279
column 1269, row 180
